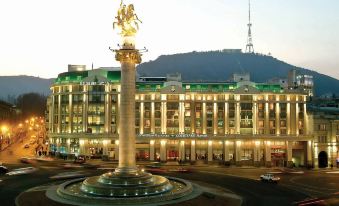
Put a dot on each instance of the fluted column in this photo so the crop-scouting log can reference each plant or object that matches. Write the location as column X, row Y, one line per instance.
column 193, row 153
column 128, row 56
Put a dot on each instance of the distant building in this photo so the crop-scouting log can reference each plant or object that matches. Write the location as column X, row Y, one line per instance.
column 239, row 77
column 292, row 79
column 306, row 83
column 232, row 51
column 282, row 81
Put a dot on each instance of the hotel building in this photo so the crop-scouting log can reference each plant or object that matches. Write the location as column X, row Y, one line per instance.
column 238, row 122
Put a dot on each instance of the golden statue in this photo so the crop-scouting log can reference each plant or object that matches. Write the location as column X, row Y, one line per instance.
column 127, row 20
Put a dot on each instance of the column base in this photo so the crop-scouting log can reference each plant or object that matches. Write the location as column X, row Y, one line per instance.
column 256, row 163
column 309, row 164
column 268, row 164
column 227, row 163
column 289, row 164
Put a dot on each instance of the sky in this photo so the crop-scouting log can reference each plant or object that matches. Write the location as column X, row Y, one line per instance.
column 41, row 37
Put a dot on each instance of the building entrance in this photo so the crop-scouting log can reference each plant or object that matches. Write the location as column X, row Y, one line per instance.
column 322, row 160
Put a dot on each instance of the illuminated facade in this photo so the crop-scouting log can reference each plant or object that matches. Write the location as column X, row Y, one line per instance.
column 241, row 123
column 325, row 126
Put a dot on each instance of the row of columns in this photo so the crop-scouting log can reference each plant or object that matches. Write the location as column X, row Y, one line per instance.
column 226, row 151
column 292, row 122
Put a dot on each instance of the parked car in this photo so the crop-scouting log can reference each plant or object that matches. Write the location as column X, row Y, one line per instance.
column 154, row 165
column 3, row 170
column 80, row 159
column 26, row 146
column 269, row 178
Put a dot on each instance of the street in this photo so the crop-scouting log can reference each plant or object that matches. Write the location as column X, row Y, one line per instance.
column 293, row 187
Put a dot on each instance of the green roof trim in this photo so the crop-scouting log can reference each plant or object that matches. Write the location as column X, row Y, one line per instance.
column 68, row 77
column 114, row 76
column 276, row 88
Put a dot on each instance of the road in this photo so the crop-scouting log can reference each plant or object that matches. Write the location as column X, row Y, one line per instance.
column 294, row 186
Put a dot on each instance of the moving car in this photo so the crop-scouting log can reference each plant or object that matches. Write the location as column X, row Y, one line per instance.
column 27, row 160
column 3, row 170
column 181, row 170
column 22, row 171
column 269, row 178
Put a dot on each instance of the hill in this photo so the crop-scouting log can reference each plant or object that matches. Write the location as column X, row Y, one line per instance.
column 219, row 66
column 12, row 86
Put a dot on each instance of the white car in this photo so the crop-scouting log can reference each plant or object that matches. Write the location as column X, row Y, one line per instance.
column 269, row 178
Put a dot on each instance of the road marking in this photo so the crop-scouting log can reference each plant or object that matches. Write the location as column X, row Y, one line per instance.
column 299, row 172
column 217, row 173
column 333, row 172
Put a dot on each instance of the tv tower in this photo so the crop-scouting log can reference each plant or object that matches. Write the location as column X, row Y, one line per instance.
column 249, row 45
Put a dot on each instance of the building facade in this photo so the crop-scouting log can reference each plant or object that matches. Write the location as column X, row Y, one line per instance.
column 240, row 123
column 324, row 118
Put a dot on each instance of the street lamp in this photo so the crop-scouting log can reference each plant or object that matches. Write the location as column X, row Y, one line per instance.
column 4, row 129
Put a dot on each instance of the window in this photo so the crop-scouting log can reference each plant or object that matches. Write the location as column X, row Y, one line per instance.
column 322, row 127
column 322, row 139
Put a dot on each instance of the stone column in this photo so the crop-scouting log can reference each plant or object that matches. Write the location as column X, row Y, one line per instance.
column 237, row 152
column 105, row 147
column 59, row 114
column 163, row 151
column 204, row 117
column 297, row 109
column 226, row 118
column 142, row 111
column 255, row 116
column 267, row 119
column 70, row 110
column 256, row 154
column 237, row 118
column 277, row 118
column 152, row 117
column 210, row 151
column 163, row 116
column 182, row 150
column 309, row 154
column 288, row 118
column 82, row 147
column 289, row 154
column 193, row 154
column 268, row 154
column 84, row 111
column 226, row 153
column 128, row 56
column 215, row 118
column 181, row 117
column 116, row 150
column 151, row 150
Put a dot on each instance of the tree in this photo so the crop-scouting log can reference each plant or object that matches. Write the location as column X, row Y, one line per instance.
column 32, row 104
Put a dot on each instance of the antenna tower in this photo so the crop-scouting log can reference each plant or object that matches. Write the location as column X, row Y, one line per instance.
column 249, row 45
